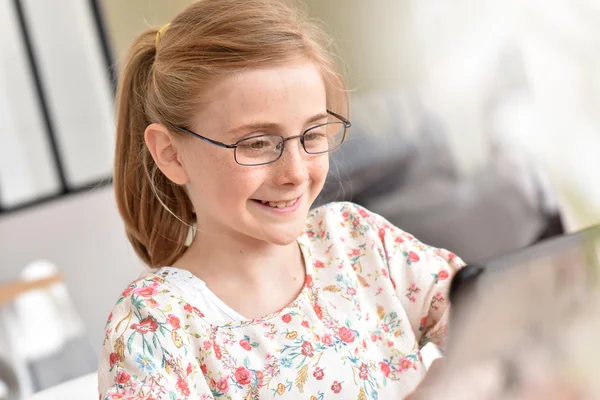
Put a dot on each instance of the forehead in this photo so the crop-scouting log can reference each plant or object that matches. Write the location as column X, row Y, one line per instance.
column 288, row 92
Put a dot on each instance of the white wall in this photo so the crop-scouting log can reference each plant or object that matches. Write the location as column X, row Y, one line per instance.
column 84, row 236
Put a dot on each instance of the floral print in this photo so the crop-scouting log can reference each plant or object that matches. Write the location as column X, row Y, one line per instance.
column 373, row 296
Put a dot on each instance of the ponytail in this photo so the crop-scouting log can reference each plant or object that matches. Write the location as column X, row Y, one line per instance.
column 157, row 213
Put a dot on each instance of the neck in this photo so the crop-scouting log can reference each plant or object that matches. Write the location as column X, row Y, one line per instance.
column 240, row 259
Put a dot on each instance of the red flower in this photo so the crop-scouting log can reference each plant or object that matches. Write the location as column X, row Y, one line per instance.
column 217, row 350
column 189, row 369
column 242, row 376
column 318, row 311
column 204, row 369
column 147, row 291
column 413, row 257
column 327, row 340
column 307, row 349
column 207, row 344
column 451, row 256
column 245, row 345
column 355, row 253
column 385, row 369
column 286, row 318
column 183, row 386
column 305, row 324
column 364, row 372
column 336, row 387
column 123, row 377
column 173, row 321
column 374, row 337
column 319, row 264
column 346, row 214
column 114, row 358
column 146, row 325
column 309, row 281
column 443, row 275
column 423, row 322
column 399, row 239
column 127, row 292
column 363, row 213
column 188, row 308
column 318, row 374
column 381, row 234
column 347, row 335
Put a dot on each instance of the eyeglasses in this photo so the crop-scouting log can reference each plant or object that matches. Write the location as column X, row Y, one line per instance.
column 268, row 148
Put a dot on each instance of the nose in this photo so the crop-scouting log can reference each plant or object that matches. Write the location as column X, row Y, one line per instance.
column 292, row 167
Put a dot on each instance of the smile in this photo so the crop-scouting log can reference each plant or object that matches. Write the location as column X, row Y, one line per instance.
column 282, row 205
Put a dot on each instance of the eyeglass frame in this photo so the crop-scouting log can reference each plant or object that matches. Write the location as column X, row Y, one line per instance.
column 347, row 124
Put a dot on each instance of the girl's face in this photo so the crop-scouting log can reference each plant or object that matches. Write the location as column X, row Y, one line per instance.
column 230, row 198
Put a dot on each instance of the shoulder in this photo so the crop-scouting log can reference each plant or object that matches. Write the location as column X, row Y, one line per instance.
column 342, row 217
column 151, row 304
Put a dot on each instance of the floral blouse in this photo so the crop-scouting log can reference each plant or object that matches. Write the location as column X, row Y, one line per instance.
column 373, row 296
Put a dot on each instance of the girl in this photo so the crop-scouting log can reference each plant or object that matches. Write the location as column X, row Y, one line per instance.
column 225, row 120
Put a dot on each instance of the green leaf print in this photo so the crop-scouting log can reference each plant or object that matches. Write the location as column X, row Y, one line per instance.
column 130, row 342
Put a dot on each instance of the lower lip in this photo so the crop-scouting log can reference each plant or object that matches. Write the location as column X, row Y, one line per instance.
column 285, row 210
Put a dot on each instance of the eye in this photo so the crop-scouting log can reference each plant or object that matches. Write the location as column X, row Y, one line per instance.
column 314, row 135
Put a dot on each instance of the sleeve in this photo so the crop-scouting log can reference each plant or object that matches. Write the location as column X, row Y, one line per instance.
column 421, row 277
column 146, row 352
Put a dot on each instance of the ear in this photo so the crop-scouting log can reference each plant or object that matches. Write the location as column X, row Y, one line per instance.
column 163, row 147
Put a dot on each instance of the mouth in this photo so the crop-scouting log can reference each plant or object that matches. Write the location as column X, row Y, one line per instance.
column 279, row 205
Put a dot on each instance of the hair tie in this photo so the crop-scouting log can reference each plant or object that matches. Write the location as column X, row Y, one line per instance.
column 159, row 34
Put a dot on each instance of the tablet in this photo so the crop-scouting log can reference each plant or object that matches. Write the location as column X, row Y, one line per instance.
column 513, row 302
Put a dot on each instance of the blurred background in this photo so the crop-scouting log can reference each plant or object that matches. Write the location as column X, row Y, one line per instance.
column 475, row 127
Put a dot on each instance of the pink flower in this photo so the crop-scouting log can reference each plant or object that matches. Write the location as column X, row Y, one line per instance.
column 327, row 340
column 363, row 213
column 336, row 387
column 286, row 318
column 319, row 264
column 223, row 385
column 305, row 324
column 123, row 377
column 363, row 372
column 385, row 369
column 355, row 252
column 146, row 325
column 188, row 369
column 188, row 308
column 242, row 376
column 207, row 344
column 413, row 257
column 318, row 374
column 351, row 291
column 183, row 387
column 318, row 311
column 114, row 358
column 405, row 364
column 173, row 321
column 245, row 345
column 147, row 291
column 346, row 335
column 443, row 275
column 307, row 349
column 309, row 281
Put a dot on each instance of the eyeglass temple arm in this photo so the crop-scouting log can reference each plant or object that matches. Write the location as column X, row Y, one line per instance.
column 220, row 144
column 346, row 122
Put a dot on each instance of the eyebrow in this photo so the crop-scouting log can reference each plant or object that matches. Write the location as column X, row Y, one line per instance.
column 272, row 125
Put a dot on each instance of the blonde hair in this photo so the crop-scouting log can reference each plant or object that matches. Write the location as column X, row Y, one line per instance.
column 163, row 79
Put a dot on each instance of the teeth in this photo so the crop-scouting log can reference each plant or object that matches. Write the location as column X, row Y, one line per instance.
column 279, row 204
